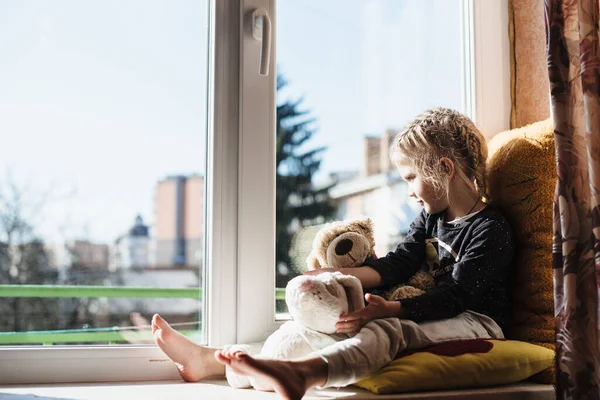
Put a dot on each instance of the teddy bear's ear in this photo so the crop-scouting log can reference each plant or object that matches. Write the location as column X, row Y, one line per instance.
column 365, row 223
column 364, row 226
column 354, row 291
column 317, row 257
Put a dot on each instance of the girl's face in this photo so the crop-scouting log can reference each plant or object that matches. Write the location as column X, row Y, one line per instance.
column 434, row 201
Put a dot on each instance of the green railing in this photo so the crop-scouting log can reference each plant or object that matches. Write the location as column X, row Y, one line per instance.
column 98, row 291
column 97, row 335
column 93, row 335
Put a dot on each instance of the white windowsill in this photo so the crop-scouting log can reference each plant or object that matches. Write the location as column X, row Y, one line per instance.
column 218, row 389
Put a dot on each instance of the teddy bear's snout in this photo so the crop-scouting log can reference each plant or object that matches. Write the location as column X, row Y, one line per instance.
column 343, row 247
column 348, row 250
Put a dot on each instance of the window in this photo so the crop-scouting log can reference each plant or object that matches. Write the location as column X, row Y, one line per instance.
column 345, row 86
column 239, row 223
column 103, row 108
column 104, row 182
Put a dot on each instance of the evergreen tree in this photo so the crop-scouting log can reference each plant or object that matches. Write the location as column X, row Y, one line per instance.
column 299, row 202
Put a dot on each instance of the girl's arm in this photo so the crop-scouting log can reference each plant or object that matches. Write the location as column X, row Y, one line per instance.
column 400, row 265
column 396, row 267
column 368, row 276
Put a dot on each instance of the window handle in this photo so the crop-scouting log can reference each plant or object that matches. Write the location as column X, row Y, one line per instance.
column 261, row 30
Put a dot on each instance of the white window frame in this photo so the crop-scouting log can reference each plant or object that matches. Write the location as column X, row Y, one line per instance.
column 487, row 64
column 64, row 364
column 240, row 212
column 256, row 229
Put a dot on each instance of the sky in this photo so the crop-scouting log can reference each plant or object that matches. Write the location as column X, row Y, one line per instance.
column 99, row 100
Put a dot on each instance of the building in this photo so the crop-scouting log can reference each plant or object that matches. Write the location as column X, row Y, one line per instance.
column 81, row 253
column 378, row 192
column 133, row 248
column 178, row 232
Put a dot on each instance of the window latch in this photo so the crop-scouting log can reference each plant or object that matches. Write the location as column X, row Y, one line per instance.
column 261, row 30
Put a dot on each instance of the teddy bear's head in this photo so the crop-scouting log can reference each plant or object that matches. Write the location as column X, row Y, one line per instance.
column 317, row 301
column 342, row 244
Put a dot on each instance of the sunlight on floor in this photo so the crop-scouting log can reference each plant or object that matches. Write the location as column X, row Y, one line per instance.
column 218, row 389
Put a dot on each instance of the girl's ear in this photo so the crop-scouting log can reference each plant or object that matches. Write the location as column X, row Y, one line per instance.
column 447, row 165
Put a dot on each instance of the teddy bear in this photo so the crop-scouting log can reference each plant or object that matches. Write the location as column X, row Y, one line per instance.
column 347, row 244
column 315, row 303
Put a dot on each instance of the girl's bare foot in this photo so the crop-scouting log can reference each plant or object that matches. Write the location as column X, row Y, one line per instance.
column 289, row 379
column 194, row 362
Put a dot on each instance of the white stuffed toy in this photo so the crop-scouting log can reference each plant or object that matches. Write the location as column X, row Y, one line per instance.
column 315, row 303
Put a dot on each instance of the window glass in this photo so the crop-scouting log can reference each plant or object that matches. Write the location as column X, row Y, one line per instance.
column 103, row 120
column 351, row 73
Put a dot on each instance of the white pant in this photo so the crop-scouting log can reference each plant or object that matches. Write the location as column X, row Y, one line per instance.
column 378, row 342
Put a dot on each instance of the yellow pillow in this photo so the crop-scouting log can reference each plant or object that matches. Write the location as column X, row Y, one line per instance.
column 480, row 362
column 521, row 181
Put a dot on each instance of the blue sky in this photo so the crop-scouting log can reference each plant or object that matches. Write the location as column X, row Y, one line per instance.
column 363, row 66
column 101, row 99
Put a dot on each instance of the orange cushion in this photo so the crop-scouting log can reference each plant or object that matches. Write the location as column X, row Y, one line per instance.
column 521, row 181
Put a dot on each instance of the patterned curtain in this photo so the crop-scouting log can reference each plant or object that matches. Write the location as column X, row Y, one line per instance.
column 574, row 72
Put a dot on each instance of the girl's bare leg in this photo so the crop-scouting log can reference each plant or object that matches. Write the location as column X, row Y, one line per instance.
column 194, row 362
column 289, row 379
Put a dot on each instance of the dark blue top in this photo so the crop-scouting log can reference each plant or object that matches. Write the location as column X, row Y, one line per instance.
column 471, row 262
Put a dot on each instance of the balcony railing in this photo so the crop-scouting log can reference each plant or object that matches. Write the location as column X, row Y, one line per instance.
column 111, row 335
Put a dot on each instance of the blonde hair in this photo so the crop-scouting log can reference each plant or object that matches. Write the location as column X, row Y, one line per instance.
column 442, row 132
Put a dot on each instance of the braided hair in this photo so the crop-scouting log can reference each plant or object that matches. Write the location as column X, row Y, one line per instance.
column 442, row 132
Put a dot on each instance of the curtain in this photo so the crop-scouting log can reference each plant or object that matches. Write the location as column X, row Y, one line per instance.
column 574, row 74
column 528, row 77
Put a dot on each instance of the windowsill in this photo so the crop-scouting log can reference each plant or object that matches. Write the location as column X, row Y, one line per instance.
column 213, row 389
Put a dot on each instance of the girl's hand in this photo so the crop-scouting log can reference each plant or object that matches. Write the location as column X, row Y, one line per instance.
column 378, row 307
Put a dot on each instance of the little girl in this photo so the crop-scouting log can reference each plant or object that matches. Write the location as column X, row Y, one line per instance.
column 459, row 238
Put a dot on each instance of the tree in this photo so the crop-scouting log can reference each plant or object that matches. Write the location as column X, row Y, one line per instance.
column 23, row 260
column 298, row 202
column 76, row 313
